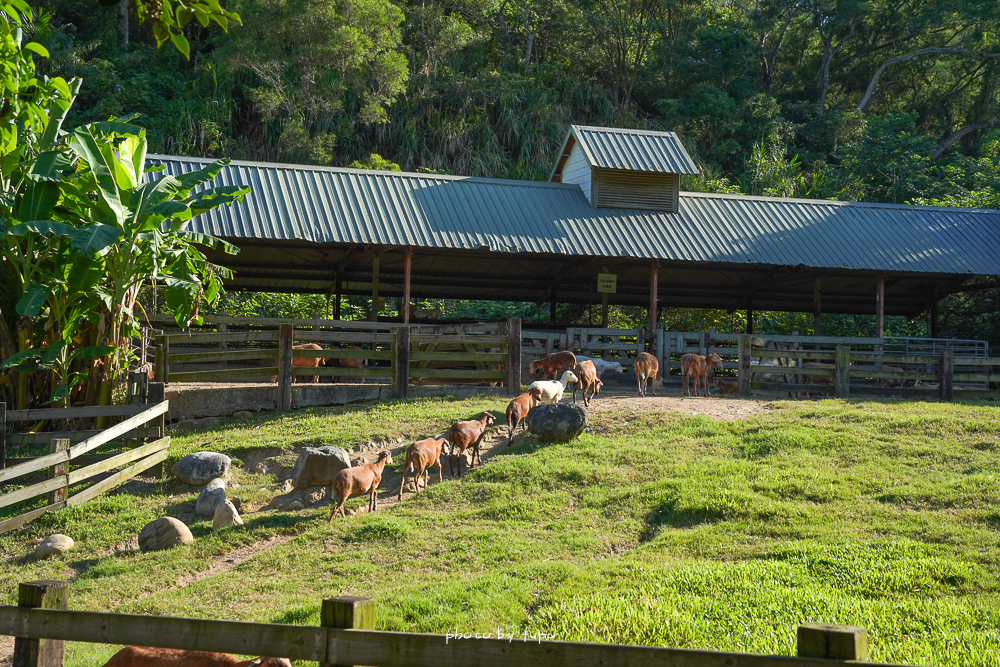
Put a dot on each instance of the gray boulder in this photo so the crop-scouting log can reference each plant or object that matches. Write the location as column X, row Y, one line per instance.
column 164, row 533
column 211, row 495
column 52, row 545
column 557, row 422
column 225, row 515
column 201, row 467
column 317, row 466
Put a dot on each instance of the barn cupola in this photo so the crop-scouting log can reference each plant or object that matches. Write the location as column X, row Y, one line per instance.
column 624, row 168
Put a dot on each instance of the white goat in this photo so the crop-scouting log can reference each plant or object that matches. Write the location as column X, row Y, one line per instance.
column 601, row 365
column 552, row 390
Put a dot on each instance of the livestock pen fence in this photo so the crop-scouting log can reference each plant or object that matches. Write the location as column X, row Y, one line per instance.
column 267, row 350
column 71, row 460
column 42, row 623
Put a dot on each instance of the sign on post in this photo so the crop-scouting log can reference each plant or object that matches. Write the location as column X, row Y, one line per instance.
column 607, row 283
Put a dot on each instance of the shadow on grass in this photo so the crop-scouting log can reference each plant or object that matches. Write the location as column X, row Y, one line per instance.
column 667, row 513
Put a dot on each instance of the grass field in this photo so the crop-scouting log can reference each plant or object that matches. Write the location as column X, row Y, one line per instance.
column 655, row 529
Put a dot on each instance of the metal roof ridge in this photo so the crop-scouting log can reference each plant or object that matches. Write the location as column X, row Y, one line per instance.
column 836, row 202
column 625, row 130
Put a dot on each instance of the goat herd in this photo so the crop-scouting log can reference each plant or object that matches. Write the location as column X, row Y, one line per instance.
column 566, row 368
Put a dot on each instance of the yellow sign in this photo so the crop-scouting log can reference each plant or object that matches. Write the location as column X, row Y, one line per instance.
column 607, row 283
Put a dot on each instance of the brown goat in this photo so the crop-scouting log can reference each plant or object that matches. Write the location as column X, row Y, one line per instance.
column 303, row 362
column 467, row 435
column 726, row 387
column 891, row 382
column 647, row 369
column 420, row 457
column 146, row 656
column 586, row 374
column 697, row 366
column 351, row 482
column 555, row 363
column 518, row 409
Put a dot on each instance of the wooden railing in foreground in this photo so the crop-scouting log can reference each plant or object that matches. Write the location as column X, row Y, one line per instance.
column 41, row 624
column 147, row 422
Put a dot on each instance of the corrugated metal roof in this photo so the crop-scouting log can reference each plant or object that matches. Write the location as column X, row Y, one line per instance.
column 330, row 205
column 634, row 150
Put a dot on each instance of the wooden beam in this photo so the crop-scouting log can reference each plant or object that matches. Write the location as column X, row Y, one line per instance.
column 58, row 471
column 375, row 305
column 833, row 642
column 654, row 276
column 285, row 368
column 46, row 594
column 513, row 356
column 880, row 307
column 407, row 265
column 3, row 435
column 402, row 362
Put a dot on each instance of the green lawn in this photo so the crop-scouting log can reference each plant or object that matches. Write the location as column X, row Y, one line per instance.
column 661, row 530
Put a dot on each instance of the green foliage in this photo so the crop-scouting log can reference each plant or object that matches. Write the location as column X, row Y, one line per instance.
column 376, row 162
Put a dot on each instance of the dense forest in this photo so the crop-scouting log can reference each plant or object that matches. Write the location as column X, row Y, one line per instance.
column 872, row 100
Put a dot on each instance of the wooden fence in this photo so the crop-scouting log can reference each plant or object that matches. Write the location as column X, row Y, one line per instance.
column 69, row 461
column 41, row 623
column 395, row 353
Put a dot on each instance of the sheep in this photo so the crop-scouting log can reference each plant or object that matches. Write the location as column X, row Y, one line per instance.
column 555, row 363
column 601, row 365
column 646, row 369
column 420, row 457
column 518, row 409
column 698, row 366
column 146, row 656
column 467, row 435
column 351, row 482
column 551, row 391
column 303, row 362
column 726, row 387
column 587, row 373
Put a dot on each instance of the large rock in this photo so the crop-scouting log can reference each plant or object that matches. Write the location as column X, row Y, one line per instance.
column 211, row 495
column 52, row 545
column 164, row 533
column 318, row 466
column 557, row 422
column 201, row 467
column 225, row 515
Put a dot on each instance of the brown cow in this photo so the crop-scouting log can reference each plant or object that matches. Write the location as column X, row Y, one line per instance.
column 303, row 362
column 586, row 374
column 348, row 363
column 646, row 369
column 697, row 366
column 555, row 363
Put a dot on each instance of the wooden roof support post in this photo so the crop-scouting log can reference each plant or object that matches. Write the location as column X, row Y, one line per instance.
column 880, row 310
column 935, row 331
column 407, row 265
column 374, row 314
column 749, row 314
column 654, row 276
column 817, row 310
column 604, row 304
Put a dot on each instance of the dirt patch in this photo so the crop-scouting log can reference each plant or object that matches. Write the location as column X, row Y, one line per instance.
column 230, row 561
column 6, row 651
column 626, row 401
column 267, row 461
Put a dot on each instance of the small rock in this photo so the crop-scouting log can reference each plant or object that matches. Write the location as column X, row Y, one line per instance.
column 211, row 495
column 52, row 545
column 319, row 465
column 286, row 486
column 164, row 533
column 237, row 503
column 293, row 506
column 315, row 497
column 201, row 467
column 194, row 424
column 557, row 422
column 242, row 414
column 225, row 515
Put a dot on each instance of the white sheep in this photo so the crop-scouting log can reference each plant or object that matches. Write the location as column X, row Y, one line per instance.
column 601, row 365
column 551, row 391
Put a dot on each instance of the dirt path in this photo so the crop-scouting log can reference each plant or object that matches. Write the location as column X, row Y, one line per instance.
column 625, row 400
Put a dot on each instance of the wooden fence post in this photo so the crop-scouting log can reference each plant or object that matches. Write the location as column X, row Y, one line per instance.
column 59, row 470
column 661, row 358
column 946, row 375
column 285, row 368
column 841, row 372
column 161, row 367
column 345, row 613
column 743, row 374
column 3, row 435
column 46, row 594
column 402, row 344
column 835, row 642
column 514, row 356
column 155, row 396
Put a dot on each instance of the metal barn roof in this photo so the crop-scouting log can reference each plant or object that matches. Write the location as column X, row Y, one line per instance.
column 306, row 228
column 633, row 150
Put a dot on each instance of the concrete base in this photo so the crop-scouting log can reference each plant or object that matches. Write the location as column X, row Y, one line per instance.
column 194, row 400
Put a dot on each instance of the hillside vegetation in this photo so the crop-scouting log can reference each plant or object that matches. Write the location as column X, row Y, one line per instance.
column 652, row 528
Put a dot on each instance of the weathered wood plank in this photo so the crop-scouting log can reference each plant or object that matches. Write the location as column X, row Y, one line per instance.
column 371, row 371
column 401, row 350
column 841, row 378
column 895, row 391
column 483, row 341
column 16, row 522
column 275, row 322
column 29, row 492
column 975, row 394
column 226, row 375
column 788, row 338
column 341, row 337
column 891, row 375
column 513, row 356
column 458, row 373
column 781, row 386
column 113, row 462
column 387, row 355
column 37, row 439
column 36, row 464
column 230, row 355
column 484, row 357
column 118, row 430
column 74, row 413
column 792, row 354
column 792, row 370
column 228, row 337
column 92, row 492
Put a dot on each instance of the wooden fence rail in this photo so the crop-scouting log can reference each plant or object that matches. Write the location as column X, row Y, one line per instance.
column 42, row 623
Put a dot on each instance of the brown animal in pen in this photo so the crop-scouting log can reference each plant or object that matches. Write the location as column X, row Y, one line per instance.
column 698, row 367
column 647, row 369
column 351, row 482
column 555, row 363
column 303, row 362
column 518, row 409
column 725, row 386
column 147, row 656
column 420, row 457
column 586, row 374
column 467, row 435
